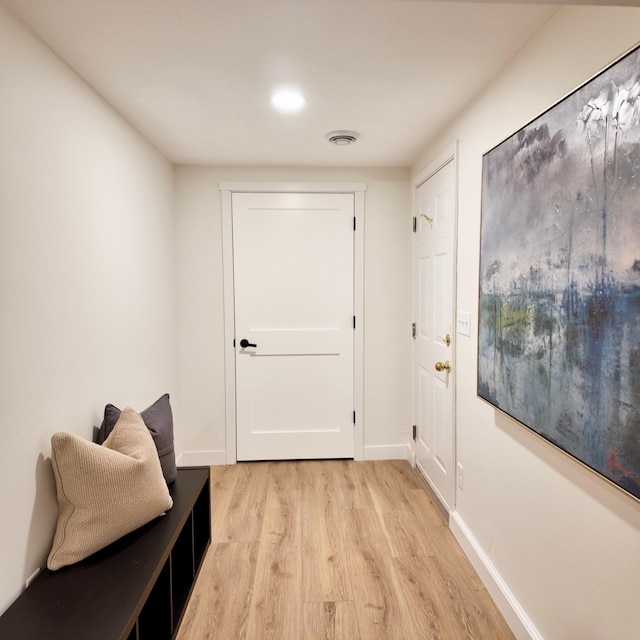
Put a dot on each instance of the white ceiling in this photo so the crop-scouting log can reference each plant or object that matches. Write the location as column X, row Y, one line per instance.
column 195, row 76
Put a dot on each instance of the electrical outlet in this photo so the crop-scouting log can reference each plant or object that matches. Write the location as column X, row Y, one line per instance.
column 460, row 476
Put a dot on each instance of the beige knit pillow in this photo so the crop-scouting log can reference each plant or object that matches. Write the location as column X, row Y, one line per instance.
column 104, row 491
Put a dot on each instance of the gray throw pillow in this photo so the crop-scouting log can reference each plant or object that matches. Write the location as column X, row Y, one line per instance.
column 159, row 420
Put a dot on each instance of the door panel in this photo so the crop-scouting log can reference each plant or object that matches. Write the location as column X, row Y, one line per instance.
column 293, row 287
column 435, row 295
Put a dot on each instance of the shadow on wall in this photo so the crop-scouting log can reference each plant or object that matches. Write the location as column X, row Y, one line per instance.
column 43, row 518
column 608, row 495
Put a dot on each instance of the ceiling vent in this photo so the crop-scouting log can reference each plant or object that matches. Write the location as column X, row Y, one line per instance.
column 342, row 138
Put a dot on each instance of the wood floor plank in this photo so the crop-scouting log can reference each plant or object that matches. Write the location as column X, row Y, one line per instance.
column 380, row 607
column 389, row 482
column 330, row 621
column 419, row 589
column 409, row 520
column 243, row 519
column 351, row 488
column 325, row 573
column 462, row 581
column 276, row 605
column 222, row 481
column 219, row 605
column 288, row 475
column 418, row 531
column 310, row 468
column 438, row 540
column 428, row 510
column 446, row 607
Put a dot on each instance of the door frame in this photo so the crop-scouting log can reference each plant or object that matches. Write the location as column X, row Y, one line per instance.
column 227, row 189
column 450, row 154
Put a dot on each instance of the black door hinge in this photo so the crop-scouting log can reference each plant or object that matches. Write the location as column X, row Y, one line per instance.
column 415, row 431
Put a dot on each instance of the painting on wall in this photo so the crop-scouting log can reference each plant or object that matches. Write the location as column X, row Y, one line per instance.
column 559, row 307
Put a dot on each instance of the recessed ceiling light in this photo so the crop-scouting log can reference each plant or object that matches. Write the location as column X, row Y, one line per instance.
column 342, row 138
column 288, row 100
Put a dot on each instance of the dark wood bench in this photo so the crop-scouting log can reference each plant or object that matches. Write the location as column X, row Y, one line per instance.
column 135, row 589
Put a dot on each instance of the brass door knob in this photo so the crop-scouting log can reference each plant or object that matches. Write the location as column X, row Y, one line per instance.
column 443, row 366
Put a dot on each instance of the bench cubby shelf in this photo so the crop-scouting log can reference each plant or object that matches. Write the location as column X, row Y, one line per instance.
column 135, row 589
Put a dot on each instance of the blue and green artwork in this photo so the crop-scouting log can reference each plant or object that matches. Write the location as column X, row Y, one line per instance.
column 559, row 308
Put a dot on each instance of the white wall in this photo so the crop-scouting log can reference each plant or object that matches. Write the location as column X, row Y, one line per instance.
column 386, row 321
column 87, row 281
column 88, row 315
column 565, row 541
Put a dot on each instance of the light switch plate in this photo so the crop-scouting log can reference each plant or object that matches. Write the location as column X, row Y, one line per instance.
column 464, row 323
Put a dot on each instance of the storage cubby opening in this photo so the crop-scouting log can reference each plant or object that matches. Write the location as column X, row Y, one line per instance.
column 182, row 570
column 154, row 622
column 201, row 524
column 134, row 633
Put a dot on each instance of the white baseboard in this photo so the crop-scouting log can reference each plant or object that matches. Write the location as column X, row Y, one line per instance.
column 515, row 616
column 201, row 459
column 387, row 452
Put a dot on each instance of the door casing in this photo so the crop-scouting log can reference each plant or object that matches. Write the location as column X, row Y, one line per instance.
column 226, row 190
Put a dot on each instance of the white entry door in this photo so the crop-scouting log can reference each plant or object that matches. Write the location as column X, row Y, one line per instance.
column 293, row 287
column 434, row 376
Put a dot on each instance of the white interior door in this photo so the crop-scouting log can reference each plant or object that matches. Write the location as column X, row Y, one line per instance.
column 434, row 347
column 293, row 286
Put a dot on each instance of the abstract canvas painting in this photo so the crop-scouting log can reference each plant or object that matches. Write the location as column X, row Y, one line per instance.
column 559, row 307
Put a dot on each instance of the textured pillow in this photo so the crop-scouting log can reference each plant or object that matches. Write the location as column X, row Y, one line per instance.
column 159, row 421
column 104, row 492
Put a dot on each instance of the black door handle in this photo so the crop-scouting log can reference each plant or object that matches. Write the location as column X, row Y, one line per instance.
column 244, row 343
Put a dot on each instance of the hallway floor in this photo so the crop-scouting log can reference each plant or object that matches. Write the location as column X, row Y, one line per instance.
column 333, row 549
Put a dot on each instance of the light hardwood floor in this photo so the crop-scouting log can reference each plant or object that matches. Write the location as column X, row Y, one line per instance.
column 333, row 550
